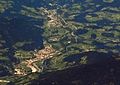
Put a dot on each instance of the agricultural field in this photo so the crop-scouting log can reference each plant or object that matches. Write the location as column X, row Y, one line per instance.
column 40, row 37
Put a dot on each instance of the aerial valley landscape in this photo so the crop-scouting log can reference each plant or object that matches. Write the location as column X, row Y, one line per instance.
column 59, row 42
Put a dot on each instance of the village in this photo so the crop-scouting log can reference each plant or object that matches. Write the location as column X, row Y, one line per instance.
column 53, row 20
column 46, row 53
